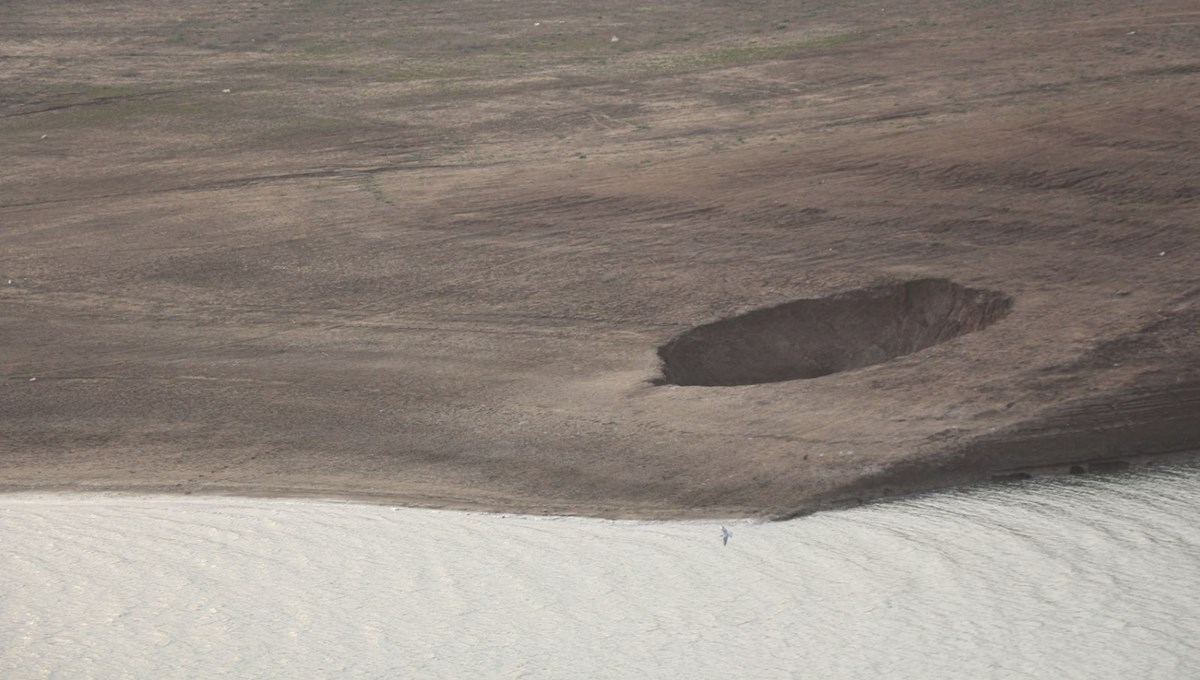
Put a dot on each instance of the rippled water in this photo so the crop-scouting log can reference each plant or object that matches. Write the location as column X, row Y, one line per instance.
column 1077, row 578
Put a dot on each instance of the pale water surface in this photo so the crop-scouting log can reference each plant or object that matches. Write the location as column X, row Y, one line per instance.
column 1079, row 578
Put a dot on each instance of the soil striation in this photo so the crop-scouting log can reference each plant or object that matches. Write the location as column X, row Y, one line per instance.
column 685, row 259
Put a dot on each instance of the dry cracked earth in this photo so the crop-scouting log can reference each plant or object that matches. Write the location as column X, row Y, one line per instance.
column 685, row 259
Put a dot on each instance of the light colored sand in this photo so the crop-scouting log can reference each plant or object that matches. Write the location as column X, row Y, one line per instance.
column 1093, row 579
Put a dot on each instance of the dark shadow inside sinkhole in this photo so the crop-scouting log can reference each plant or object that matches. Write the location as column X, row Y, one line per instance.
column 817, row 337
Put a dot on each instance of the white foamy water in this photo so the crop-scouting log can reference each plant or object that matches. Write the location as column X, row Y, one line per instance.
column 1081, row 578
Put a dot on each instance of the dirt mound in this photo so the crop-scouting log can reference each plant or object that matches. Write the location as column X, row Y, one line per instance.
column 813, row 338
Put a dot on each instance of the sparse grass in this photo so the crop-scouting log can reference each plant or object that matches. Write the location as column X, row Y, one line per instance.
column 589, row 59
column 85, row 91
column 132, row 108
column 320, row 50
column 559, row 43
column 371, row 185
column 111, row 109
column 415, row 72
column 752, row 53
column 731, row 55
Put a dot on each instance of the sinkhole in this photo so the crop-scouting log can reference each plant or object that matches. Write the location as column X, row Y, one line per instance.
column 811, row 338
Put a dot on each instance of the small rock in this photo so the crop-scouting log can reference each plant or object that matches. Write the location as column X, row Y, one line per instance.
column 45, row 136
column 33, row 380
column 226, row 90
column 615, row 39
column 537, row 23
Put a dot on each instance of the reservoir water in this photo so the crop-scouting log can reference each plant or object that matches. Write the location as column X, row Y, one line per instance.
column 1088, row 577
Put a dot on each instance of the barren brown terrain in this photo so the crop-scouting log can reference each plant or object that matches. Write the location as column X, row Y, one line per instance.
column 623, row 259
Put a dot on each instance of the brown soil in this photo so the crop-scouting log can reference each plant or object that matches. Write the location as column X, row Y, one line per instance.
column 426, row 252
